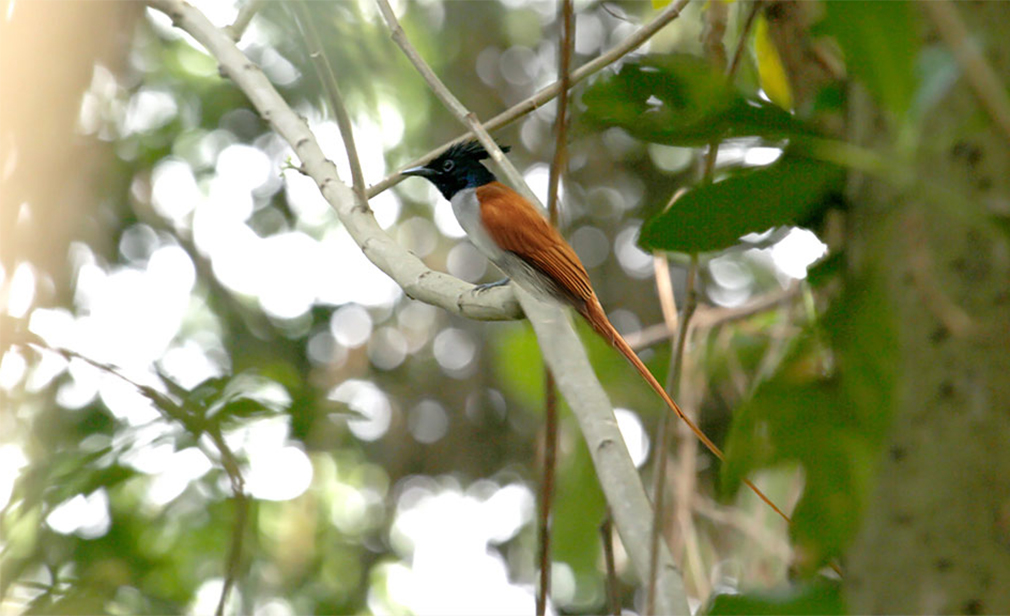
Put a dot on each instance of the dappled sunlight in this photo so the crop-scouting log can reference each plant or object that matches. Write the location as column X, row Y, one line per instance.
column 633, row 260
column 21, row 292
column 12, row 460
column 796, row 252
column 372, row 409
column 455, row 352
column 180, row 470
column 446, row 536
column 87, row 516
column 209, row 378
column 635, row 437
column 278, row 474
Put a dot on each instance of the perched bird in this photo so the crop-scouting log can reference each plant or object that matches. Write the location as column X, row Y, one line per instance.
column 516, row 237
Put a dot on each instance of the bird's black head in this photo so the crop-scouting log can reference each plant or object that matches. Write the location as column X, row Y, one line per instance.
column 457, row 168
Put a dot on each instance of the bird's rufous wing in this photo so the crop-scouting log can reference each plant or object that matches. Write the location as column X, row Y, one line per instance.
column 516, row 226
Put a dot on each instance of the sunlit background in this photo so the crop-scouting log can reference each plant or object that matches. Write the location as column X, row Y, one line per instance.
column 391, row 450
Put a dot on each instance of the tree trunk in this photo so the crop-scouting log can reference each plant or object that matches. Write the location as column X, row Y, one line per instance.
column 936, row 535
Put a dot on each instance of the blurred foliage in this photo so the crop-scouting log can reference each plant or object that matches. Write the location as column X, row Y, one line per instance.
column 881, row 45
column 808, row 385
column 774, row 80
column 816, row 598
column 714, row 216
column 682, row 100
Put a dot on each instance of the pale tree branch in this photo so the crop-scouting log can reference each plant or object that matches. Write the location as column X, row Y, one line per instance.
column 417, row 280
column 681, row 324
column 629, row 504
column 709, row 317
column 566, row 358
column 562, row 349
column 245, row 15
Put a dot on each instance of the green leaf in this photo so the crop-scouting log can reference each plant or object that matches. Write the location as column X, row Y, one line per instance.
column 864, row 335
column 805, row 423
column 828, row 410
column 826, row 270
column 715, row 216
column 880, row 42
column 771, row 71
column 244, row 395
column 817, row 598
column 681, row 100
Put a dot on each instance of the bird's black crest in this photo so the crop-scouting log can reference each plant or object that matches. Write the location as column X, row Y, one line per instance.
column 471, row 149
column 457, row 168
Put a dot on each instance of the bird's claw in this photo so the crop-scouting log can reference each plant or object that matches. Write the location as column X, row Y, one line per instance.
column 490, row 285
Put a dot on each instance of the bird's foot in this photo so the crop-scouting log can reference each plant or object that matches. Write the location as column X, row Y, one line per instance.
column 490, row 285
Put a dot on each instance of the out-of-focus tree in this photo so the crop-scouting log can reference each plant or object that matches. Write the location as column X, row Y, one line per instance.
column 206, row 382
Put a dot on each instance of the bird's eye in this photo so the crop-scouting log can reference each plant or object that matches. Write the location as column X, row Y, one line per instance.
column 448, row 165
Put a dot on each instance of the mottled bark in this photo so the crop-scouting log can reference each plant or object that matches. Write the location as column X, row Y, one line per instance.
column 936, row 536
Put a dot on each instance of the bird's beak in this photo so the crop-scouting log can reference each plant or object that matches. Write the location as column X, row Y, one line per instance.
column 423, row 172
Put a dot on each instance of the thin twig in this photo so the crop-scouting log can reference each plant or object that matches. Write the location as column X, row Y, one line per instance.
column 192, row 421
column 668, row 305
column 710, row 317
column 672, row 386
column 712, row 36
column 547, row 489
column 241, row 500
column 329, row 80
column 709, row 173
column 681, row 325
column 566, row 45
column 464, row 115
column 235, row 551
column 742, row 43
column 633, row 42
column 981, row 77
column 685, row 484
column 245, row 15
column 607, row 536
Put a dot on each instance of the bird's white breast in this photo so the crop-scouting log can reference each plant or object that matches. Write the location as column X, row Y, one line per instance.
column 466, row 207
column 467, row 210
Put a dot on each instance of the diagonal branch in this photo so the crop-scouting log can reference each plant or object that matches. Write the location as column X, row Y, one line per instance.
column 417, row 280
column 329, row 80
column 245, row 15
column 566, row 358
column 629, row 505
column 452, row 103
column 628, row 45
column 565, row 51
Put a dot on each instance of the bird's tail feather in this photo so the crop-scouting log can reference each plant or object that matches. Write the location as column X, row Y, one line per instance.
column 597, row 318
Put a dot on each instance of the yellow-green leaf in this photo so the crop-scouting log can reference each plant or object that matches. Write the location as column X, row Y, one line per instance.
column 771, row 72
